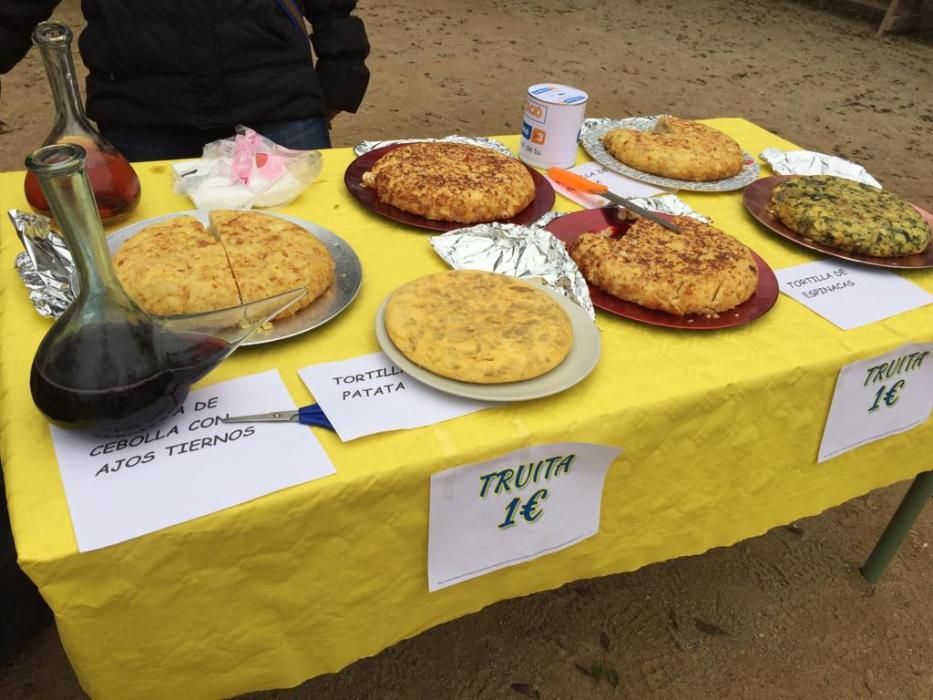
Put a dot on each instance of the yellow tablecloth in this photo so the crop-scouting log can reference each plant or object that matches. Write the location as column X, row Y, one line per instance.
column 720, row 433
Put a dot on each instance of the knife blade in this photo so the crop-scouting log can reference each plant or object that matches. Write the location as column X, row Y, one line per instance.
column 565, row 177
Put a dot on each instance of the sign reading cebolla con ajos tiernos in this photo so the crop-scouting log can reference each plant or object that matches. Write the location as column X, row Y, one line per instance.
column 191, row 465
column 514, row 508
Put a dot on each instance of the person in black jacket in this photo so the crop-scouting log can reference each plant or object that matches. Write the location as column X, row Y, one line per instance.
column 168, row 76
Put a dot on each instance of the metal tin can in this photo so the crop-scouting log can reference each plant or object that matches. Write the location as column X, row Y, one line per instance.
column 550, row 125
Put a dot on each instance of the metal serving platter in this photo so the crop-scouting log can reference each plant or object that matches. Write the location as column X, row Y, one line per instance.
column 348, row 276
column 591, row 138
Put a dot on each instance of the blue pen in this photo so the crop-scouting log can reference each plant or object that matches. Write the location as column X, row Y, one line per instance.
column 306, row 415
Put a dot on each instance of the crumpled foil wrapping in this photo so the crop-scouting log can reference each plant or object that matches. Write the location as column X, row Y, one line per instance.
column 46, row 267
column 669, row 204
column 526, row 252
column 548, row 218
column 661, row 203
column 813, row 163
column 367, row 146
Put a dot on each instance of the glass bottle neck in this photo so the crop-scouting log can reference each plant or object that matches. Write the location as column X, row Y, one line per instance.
column 60, row 68
column 60, row 169
column 72, row 202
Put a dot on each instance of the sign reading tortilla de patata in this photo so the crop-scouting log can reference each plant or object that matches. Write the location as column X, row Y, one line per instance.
column 879, row 397
column 369, row 394
column 850, row 295
column 515, row 508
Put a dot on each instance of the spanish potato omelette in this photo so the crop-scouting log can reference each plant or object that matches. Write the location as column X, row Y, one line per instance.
column 269, row 255
column 478, row 327
column 677, row 148
column 177, row 266
column 451, row 182
column 700, row 270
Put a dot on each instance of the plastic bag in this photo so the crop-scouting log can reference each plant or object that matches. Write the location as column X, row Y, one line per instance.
column 246, row 171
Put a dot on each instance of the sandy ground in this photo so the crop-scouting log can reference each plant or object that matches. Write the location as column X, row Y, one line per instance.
column 785, row 615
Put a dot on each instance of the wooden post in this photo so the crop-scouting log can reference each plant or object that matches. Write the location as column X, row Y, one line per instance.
column 901, row 15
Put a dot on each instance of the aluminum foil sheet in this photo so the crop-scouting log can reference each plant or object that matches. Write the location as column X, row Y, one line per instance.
column 591, row 138
column 813, row 163
column 46, row 267
column 669, row 204
column 367, row 146
column 548, row 218
column 661, row 203
column 526, row 252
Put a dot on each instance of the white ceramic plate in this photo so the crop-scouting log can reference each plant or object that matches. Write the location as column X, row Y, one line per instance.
column 348, row 276
column 576, row 366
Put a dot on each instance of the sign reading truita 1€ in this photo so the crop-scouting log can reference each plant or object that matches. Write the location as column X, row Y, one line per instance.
column 882, row 396
column 514, row 508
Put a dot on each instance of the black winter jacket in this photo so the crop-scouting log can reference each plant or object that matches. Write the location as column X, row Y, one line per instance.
column 206, row 63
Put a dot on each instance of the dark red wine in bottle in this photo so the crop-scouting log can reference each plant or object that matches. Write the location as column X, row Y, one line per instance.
column 117, row 378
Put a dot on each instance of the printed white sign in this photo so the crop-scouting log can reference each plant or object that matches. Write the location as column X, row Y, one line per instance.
column 617, row 184
column 879, row 397
column 513, row 509
column 850, row 295
column 369, row 394
column 190, row 465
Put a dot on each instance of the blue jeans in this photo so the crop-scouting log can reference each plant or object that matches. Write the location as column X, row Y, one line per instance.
column 169, row 143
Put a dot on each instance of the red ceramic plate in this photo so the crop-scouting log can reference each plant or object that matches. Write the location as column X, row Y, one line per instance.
column 568, row 228
column 758, row 195
column 353, row 178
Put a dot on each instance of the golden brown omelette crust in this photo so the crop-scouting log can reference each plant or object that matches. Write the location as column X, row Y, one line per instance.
column 698, row 271
column 269, row 256
column 452, row 182
column 176, row 267
column 478, row 327
column 677, row 148
column 179, row 267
